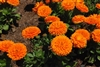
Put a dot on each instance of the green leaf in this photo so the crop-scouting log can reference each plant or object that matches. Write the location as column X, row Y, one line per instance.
column 68, row 66
column 0, row 31
column 30, row 55
column 98, row 57
column 91, row 60
column 5, row 27
column 98, row 51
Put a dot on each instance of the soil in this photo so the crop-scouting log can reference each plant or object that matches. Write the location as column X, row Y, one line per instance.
column 28, row 18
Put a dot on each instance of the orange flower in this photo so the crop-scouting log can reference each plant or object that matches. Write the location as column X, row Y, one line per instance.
column 17, row 51
column 57, row 28
column 78, row 40
column 82, row 7
column 79, row 1
column 37, row 5
column 61, row 45
column 13, row 2
column 98, row 25
column 78, row 19
column 96, row 35
column 92, row 19
column 68, row 5
column 31, row 32
column 47, row 1
column 98, row 5
column 44, row 11
column 2, row 1
column 5, row 45
column 56, row 0
column 50, row 19
column 84, row 32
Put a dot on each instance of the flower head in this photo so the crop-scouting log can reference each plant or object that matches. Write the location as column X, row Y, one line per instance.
column 78, row 19
column 96, row 35
column 61, row 45
column 57, row 28
column 82, row 7
column 13, row 2
column 84, row 32
column 31, row 32
column 68, row 5
column 17, row 51
column 98, row 5
column 2, row 1
column 50, row 19
column 37, row 5
column 78, row 40
column 44, row 11
column 47, row 1
column 56, row 0
column 5, row 45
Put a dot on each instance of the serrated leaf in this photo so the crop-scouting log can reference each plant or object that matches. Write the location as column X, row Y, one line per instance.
column 98, row 57
column 5, row 27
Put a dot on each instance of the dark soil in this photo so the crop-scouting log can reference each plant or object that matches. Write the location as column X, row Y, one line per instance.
column 28, row 18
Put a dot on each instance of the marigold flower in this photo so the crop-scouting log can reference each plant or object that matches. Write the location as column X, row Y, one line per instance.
column 98, row 5
column 2, row 1
column 68, row 5
column 98, row 25
column 13, row 2
column 5, row 45
column 79, row 1
column 47, row 1
column 84, row 32
column 37, row 5
column 61, row 45
column 96, row 35
column 78, row 19
column 31, row 32
column 56, row 0
column 92, row 19
column 78, row 40
column 57, row 28
column 82, row 7
column 17, row 51
column 50, row 19
column 44, row 11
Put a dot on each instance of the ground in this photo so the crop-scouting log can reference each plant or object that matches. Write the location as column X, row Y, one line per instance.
column 28, row 18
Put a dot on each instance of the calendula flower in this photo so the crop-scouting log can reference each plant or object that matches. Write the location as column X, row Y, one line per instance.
column 44, row 11
column 96, row 35
column 17, row 51
column 78, row 40
column 57, row 28
column 5, row 45
column 37, row 5
column 84, row 32
column 13, row 2
column 68, row 5
column 2, row 1
column 50, row 19
column 78, row 1
column 31, row 32
column 92, row 19
column 56, row 0
column 78, row 19
column 61, row 45
column 47, row 1
column 98, row 5
column 82, row 7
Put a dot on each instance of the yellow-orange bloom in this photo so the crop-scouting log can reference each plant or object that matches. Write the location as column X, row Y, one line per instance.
column 68, row 5
column 78, row 19
column 84, row 32
column 98, row 5
column 82, row 7
column 57, row 28
column 2, row 1
column 79, row 1
column 50, row 19
column 5, row 45
column 96, row 35
column 17, row 51
column 31, row 32
column 61, row 45
column 44, row 11
column 92, row 19
column 13, row 2
column 37, row 5
column 56, row 0
column 78, row 40
column 47, row 1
